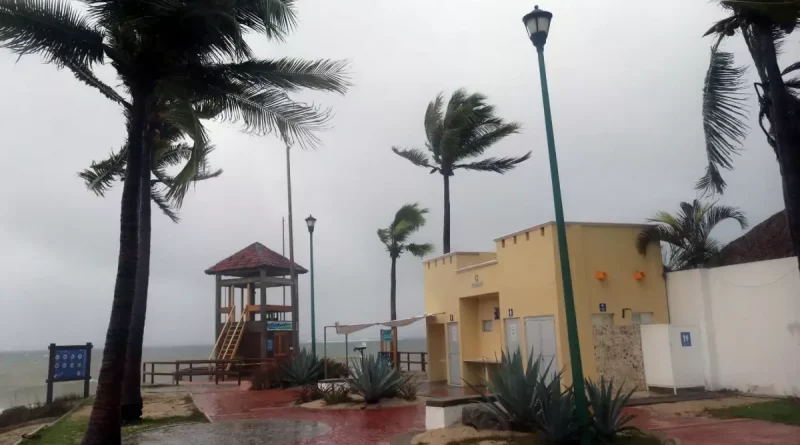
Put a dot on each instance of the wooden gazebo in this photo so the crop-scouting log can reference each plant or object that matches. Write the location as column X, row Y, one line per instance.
column 253, row 329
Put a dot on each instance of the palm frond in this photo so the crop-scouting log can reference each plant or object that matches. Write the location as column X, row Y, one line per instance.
column 434, row 124
column 415, row 156
column 723, row 119
column 715, row 214
column 290, row 74
column 419, row 250
column 485, row 135
column 385, row 236
column 497, row 165
column 656, row 234
column 793, row 67
column 275, row 18
column 100, row 176
column 84, row 74
column 52, row 28
column 158, row 197
column 411, row 215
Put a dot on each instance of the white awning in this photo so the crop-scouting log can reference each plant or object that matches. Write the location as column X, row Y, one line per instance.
column 350, row 328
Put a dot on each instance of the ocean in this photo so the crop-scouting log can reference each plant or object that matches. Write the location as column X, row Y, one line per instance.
column 23, row 374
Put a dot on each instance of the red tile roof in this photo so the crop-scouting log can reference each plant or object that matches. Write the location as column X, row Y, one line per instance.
column 769, row 240
column 252, row 258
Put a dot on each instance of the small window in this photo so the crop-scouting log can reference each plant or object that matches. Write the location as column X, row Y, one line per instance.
column 487, row 325
column 527, row 236
column 541, row 231
column 602, row 319
column 515, row 239
column 642, row 318
column 503, row 243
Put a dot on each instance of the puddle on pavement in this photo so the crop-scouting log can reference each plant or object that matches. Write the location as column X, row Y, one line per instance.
column 234, row 432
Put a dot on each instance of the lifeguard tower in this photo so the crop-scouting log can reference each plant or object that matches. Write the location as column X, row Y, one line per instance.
column 246, row 325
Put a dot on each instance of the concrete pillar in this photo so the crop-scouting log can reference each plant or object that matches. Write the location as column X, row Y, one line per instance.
column 217, row 307
column 263, row 286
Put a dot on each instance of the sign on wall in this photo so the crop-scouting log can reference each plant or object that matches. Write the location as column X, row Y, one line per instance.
column 477, row 282
column 279, row 325
column 386, row 335
column 602, row 307
column 511, row 312
column 686, row 339
column 270, row 345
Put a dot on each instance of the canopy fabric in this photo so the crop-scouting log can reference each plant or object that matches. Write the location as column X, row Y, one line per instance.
column 350, row 328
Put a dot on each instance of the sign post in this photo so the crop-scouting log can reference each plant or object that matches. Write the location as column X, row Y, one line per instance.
column 68, row 364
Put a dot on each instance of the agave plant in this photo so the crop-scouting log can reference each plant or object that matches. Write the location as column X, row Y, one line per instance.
column 303, row 369
column 608, row 419
column 374, row 379
column 556, row 416
column 515, row 391
column 336, row 394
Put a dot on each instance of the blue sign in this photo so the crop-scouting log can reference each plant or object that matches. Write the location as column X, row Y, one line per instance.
column 686, row 339
column 279, row 325
column 602, row 307
column 386, row 335
column 270, row 345
column 69, row 364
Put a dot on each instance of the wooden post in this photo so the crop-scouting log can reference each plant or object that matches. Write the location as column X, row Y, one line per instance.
column 423, row 361
column 152, row 373
column 263, row 312
column 217, row 308
column 88, row 374
column 177, row 369
column 190, row 372
column 50, row 364
column 144, row 372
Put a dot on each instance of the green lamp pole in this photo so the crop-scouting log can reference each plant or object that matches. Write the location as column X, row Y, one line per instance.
column 310, row 222
column 537, row 23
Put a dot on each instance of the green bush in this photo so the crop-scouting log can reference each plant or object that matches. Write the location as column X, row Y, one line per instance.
column 336, row 394
column 308, row 393
column 374, row 379
column 515, row 391
column 408, row 387
column 22, row 414
column 336, row 369
column 303, row 369
column 556, row 416
column 608, row 420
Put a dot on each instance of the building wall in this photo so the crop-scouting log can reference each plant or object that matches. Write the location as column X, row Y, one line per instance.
column 750, row 315
column 618, row 355
column 437, row 351
column 490, row 342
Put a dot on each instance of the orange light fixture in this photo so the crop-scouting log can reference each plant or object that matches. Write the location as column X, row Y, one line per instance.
column 600, row 275
column 638, row 275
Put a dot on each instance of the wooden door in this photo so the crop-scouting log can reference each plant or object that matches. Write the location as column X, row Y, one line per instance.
column 281, row 345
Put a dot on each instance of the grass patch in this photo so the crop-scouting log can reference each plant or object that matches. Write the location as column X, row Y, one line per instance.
column 782, row 411
column 19, row 415
column 70, row 430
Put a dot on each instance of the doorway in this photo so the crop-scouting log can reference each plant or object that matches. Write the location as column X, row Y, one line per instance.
column 512, row 335
column 281, row 345
column 453, row 354
column 540, row 337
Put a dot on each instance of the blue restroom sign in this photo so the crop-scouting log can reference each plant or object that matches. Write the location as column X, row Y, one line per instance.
column 602, row 307
column 686, row 339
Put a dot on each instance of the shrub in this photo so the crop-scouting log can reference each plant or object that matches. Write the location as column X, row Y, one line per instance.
column 336, row 394
column 267, row 378
column 515, row 391
column 408, row 387
column 374, row 379
column 303, row 369
column 608, row 420
column 308, row 393
column 556, row 416
column 336, row 369
column 22, row 414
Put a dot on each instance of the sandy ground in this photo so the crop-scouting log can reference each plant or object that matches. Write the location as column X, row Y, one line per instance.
column 358, row 404
column 156, row 406
column 697, row 407
column 458, row 433
column 12, row 436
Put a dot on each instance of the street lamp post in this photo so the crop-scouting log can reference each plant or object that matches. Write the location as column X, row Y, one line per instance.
column 310, row 222
column 537, row 23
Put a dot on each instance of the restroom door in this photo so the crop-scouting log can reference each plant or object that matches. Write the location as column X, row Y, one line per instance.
column 455, row 357
column 540, row 337
column 513, row 333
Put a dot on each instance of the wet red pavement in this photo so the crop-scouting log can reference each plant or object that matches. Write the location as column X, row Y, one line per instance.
column 351, row 427
column 708, row 431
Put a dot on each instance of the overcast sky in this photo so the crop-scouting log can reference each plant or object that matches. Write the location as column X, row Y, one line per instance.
column 625, row 84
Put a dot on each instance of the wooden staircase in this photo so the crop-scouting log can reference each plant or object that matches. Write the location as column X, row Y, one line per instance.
column 230, row 337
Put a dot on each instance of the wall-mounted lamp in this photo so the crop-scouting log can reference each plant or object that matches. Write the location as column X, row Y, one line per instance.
column 638, row 275
column 600, row 275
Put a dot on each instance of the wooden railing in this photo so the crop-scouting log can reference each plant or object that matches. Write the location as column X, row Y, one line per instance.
column 404, row 358
column 222, row 334
column 179, row 369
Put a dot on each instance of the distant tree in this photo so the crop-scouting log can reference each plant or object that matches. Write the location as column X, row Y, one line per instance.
column 465, row 130
column 407, row 220
column 687, row 234
column 764, row 25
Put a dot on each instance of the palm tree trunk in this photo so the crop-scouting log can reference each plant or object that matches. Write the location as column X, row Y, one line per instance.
column 393, row 291
column 446, row 231
column 104, row 422
column 131, row 390
column 783, row 110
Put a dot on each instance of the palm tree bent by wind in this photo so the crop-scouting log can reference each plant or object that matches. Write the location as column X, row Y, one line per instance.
column 688, row 233
column 465, row 130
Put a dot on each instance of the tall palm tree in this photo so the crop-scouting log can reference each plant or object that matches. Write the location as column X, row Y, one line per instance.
column 687, row 234
column 192, row 55
column 407, row 220
column 763, row 24
column 168, row 152
column 465, row 130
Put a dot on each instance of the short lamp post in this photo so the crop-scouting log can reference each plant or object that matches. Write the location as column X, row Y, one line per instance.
column 310, row 222
column 537, row 24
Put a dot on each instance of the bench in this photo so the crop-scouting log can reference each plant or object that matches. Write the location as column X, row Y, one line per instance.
column 442, row 412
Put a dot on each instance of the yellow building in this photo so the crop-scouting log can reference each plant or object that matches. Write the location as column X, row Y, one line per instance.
column 513, row 297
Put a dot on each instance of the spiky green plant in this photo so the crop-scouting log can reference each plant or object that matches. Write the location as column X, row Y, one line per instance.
column 608, row 418
column 374, row 379
column 408, row 387
column 556, row 416
column 302, row 369
column 336, row 394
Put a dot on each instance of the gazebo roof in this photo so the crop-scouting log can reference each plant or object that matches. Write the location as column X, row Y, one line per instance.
column 252, row 259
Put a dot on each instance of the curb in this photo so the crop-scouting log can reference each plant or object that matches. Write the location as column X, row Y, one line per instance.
column 68, row 413
column 194, row 402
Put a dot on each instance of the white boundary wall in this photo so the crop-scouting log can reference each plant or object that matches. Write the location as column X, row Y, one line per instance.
column 669, row 362
column 749, row 320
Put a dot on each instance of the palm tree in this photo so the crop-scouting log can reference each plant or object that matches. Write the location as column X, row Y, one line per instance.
column 763, row 24
column 464, row 131
column 191, row 55
column 407, row 220
column 688, row 233
column 168, row 152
